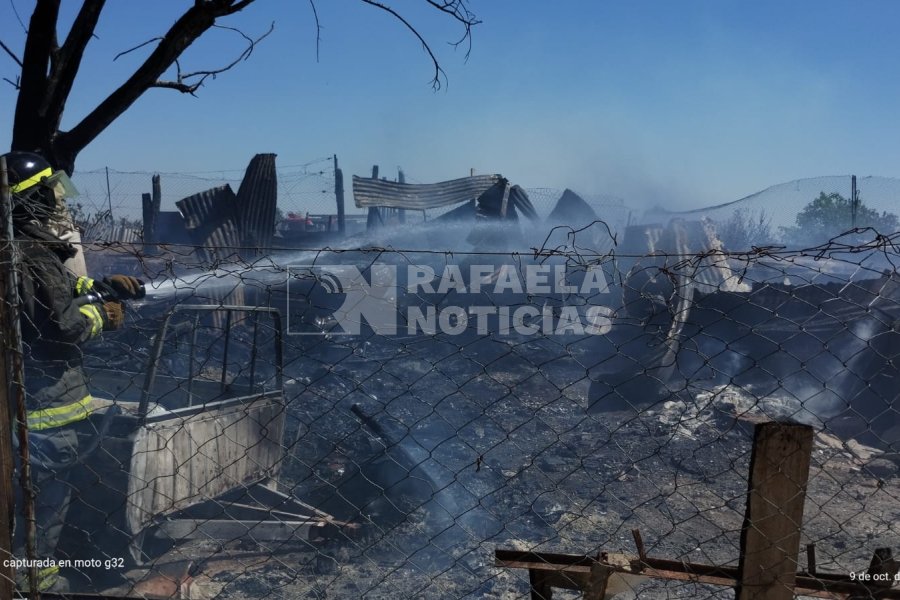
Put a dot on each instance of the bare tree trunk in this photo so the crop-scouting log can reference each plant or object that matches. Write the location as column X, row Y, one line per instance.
column 49, row 70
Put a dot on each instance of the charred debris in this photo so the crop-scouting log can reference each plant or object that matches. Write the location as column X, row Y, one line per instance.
column 686, row 309
column 806, row 342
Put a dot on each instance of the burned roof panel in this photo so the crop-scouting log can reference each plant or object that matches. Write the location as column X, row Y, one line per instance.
column 571, row 209
column 211, row 219
column 256, row 200
column 214, row 204
column 170, row 228
column 376, row 192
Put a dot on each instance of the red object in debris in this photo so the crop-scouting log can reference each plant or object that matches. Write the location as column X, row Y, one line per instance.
column 296, row 222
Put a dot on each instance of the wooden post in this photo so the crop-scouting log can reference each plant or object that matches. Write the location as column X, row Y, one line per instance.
column 540, row 585
column 156, row 202
column 374, row 213
column 770, row 538
column 109, row 196
column 883, row 568
column 7, row 463
column 147, row 225
column 151, row 203
column 339, row 194
column 598, row 582
column 401, row 213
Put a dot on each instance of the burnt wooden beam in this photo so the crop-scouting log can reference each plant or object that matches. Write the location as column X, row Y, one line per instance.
column 151, row 203
column 573, row 571
column 339, row 196
column 541, row 588
column 770, row 541
column 598, row 581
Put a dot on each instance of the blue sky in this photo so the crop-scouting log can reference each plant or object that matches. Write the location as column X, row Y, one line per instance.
column 682, row 104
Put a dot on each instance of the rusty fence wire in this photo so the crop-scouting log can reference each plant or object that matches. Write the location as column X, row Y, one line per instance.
column 303, row 188
column 428, row 418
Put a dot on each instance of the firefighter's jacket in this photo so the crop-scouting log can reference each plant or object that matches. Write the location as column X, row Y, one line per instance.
column 53, row 326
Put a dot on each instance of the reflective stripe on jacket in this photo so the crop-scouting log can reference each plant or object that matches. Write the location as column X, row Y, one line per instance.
column 53, row 327
column 58, row 416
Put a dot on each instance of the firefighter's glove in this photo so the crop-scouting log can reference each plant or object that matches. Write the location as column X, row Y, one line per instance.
column 114, row 313
column 125, row 287
column 106, row 316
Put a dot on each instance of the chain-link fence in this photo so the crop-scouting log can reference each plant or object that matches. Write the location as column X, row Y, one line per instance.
column 302, row 188
column 800, row 213
column 428, row 417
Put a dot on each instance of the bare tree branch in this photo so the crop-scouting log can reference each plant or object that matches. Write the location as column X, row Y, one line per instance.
column 438, row 71
column 48, row 71
column 11, row 53
column 224, row 7
column 15, row 10
column 195, row 21
column 29, row 124
column 455, row 8
column 461, row 13
column 68, row 59
column 312, row 4
column 139, row 46
column 181, row 82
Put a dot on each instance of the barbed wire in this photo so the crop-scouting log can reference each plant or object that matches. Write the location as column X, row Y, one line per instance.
column 384, row 418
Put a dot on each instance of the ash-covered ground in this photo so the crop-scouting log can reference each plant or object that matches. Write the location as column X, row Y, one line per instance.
column 446, row 448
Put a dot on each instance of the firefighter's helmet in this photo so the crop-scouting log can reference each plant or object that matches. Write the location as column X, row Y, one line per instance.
column 36, row 188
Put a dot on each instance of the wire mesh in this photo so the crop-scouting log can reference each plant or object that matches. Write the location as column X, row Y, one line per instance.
column 302, row 188
column 379, row 420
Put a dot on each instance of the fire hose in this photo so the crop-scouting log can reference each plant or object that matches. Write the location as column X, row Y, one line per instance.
column 102, row 293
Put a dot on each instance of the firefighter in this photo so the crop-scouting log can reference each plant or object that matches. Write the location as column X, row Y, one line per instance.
column 53, row 325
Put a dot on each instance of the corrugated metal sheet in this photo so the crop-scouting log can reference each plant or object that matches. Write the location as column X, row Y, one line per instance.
column 215, row 204
column 104, row 231
column 94, row 232
column 572, row 210
column 211, row 220
column 464, row 212
column 170, row 228
column 518, row 199
column 376, row 192
column 256, row 201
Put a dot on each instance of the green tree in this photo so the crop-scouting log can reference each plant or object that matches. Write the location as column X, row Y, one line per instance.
column 744, row 229
column 830, row 215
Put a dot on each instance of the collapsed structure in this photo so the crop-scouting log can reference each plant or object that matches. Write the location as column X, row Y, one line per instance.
column 486, row 197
